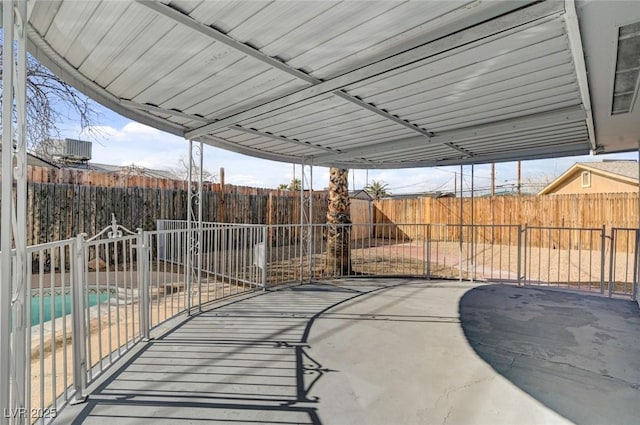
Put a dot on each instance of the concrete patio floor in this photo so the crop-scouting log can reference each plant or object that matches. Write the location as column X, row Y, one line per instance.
column 392, row 351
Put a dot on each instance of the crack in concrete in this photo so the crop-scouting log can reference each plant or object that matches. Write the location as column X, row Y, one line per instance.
column 455, row 389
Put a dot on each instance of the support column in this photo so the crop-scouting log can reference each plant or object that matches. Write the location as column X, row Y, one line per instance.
column 306, row 220
column 473, row 227
column 21, row 291
column 461, row 220
column 634, row 294
column 13, row 280
column 5, row 213
column 193, row 260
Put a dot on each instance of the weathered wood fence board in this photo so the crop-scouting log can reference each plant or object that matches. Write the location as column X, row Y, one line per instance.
column 59, row 211
column 575, row 211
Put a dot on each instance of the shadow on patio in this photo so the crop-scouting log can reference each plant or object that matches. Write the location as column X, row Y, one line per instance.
column 380, row 352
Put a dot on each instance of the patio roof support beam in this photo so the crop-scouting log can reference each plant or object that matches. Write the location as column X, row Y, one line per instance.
column 475, row 34
column 512, row 125
column 575, row 42
column 281, row 138
column 152, row 108
column 220, row 37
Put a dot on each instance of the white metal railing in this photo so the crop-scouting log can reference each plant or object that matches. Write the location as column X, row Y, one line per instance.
column 113, row 289
column 583, row 259
column 427, row 250
column 565, row 257
column 623, row 262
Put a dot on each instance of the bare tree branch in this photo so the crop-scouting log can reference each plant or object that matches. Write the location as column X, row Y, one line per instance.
column 50, row 103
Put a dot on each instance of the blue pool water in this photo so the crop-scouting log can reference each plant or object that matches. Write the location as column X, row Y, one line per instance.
column 56, row 308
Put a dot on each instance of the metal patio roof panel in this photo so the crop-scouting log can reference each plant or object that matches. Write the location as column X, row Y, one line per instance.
column 463, row 84
column 368, row 84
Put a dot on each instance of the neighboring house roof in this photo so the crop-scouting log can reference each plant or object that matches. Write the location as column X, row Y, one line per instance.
column 37, row 161
column 620, row 170
column 132, row 170
column 360, row 194
column 436, row 194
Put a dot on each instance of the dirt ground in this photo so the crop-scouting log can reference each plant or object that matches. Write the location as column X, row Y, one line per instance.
column 575, row 268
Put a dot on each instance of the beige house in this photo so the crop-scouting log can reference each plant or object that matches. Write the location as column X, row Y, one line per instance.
column 596, row 177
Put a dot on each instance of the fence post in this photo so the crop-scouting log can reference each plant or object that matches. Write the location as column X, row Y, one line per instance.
column 427, row 248
column 142, row 245
column 634, row 288
column 265, row 235
column 612, row 258
column 78, row 318
column 520, row 252
column 603, row 253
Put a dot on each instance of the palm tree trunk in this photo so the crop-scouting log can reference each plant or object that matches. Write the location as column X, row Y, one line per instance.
column 338, row 257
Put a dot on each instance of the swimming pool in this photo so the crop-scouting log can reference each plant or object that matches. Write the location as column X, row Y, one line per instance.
column 53, row 306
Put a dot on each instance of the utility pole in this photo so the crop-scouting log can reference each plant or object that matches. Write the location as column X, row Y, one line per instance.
column 493, row 179
column 455, row 182
column 519, row 185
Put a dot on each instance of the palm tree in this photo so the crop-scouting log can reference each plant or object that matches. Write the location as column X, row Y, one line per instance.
column 338, row 258
column 377, row 189
column 295, row 185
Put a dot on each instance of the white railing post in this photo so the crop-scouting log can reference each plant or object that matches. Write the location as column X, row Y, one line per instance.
column 612, row 261
column 78, row 321
column 265, row 252
column 634, row 287
column 521, row 252
column 603, row 254
column 143, row 249
column 427, row 248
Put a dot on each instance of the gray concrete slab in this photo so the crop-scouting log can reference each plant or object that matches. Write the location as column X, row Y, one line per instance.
column 384, row 352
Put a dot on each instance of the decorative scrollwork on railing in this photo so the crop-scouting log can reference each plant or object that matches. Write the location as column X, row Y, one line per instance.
column 113, row 231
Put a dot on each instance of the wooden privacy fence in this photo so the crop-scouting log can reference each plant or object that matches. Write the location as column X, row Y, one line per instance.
column 60, row 211
column 591, row 211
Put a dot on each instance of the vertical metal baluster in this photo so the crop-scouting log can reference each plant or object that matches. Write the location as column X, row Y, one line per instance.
column 125, row 293
column 63, row 292
column 52, row 311
column 612, row 259
column 579, row 259
column 626, row 263
column 107, row 253
column 29, row 345
column 41, row 255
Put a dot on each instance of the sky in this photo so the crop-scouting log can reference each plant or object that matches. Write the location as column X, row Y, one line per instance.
column 125, row 142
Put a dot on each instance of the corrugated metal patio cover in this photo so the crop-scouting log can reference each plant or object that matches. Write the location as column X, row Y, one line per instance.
column 376, row 84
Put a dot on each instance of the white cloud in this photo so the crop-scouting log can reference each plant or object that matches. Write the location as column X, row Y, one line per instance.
column 125, row 142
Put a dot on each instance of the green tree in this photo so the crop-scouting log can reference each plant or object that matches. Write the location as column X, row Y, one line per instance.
column 377, row 189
